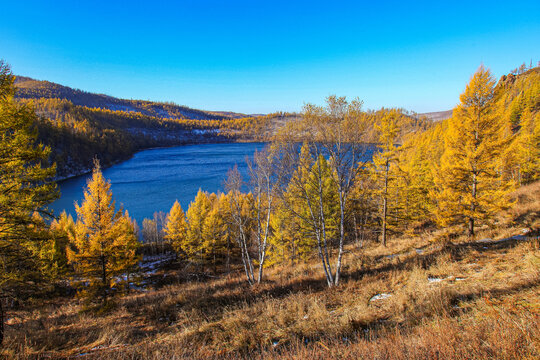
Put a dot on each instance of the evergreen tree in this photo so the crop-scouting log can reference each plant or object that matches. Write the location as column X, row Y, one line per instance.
column 469, row 187
column 26, row 187
column 104, row 242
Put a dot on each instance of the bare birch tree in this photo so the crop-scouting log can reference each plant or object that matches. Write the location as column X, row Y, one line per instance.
column 336, row 132
column 240, row 215
column 265, row 177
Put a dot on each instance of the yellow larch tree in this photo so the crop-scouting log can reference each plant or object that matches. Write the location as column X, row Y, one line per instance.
column 284, row 237
column 104, row 242
column 469, row 186
column 26, row 187
column 383, row 166
column 196, row 215
column 312, row 198
column 526, row 147
column 54, row 251
column 176, row 228
column 216, row 243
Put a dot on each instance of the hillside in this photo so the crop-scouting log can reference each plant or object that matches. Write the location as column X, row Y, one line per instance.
column 36, row 89
column 418, row 298
column 76, row 134
column 437, row 115
column 423, row 244
column 79, row 126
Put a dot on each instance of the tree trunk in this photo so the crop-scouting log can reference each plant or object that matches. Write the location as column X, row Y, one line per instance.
column 385, row 202
column 104, row 277
column 264, row 242
column 356, row 242
column 228, row 254
column 1, row 323
column 341, row 238
column 473, row 207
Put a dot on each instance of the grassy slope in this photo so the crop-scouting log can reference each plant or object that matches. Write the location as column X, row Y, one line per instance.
column 486, row 305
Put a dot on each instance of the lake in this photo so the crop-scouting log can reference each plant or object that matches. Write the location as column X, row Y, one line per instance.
column 153, row 179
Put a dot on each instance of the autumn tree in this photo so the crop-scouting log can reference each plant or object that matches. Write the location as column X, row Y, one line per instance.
column 527, row 147
column 196, row 215
column 469, row 187
column 383, row 164
column 223, row 226
column 265, row 178
column 337, row 132
column 176, row 227
column 217, row 245
column 311, row 197
column 285, row 241
column 26, row 187
column 54, row 251
column 241, row 206
column 153, row 232
column 126, row 260
column 104, row 242
column 363, row 207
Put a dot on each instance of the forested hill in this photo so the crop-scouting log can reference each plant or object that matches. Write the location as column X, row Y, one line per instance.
column 35, row 89
column 79, row 125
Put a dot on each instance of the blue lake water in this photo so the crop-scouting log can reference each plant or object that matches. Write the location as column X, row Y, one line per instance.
column 153, row 179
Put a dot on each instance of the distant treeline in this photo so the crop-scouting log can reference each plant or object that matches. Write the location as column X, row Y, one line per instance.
column 77, row 134
column 28, row 88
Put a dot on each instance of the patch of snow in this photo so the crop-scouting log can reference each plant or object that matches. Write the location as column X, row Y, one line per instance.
column 205, row 131
column 391, row 256
column 380, row 296
column 121, row 108
column 151, row 263
column 434, row 280
column 419, row 251
column 460, row 279
column 491, row 241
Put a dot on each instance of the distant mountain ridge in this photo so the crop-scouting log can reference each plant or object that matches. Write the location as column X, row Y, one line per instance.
column 29, row 88
column 437, row 115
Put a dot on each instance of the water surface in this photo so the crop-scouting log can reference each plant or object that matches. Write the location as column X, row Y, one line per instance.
column 153, row 179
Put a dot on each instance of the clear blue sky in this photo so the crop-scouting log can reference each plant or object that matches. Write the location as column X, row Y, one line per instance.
column 262, row 56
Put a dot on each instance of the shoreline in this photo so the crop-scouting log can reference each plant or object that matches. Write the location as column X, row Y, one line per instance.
column 88, row 171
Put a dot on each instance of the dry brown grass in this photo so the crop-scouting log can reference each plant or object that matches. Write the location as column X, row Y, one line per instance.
column 464, row 300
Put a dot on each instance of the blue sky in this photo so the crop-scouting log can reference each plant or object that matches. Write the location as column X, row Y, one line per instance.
column 259, row 57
